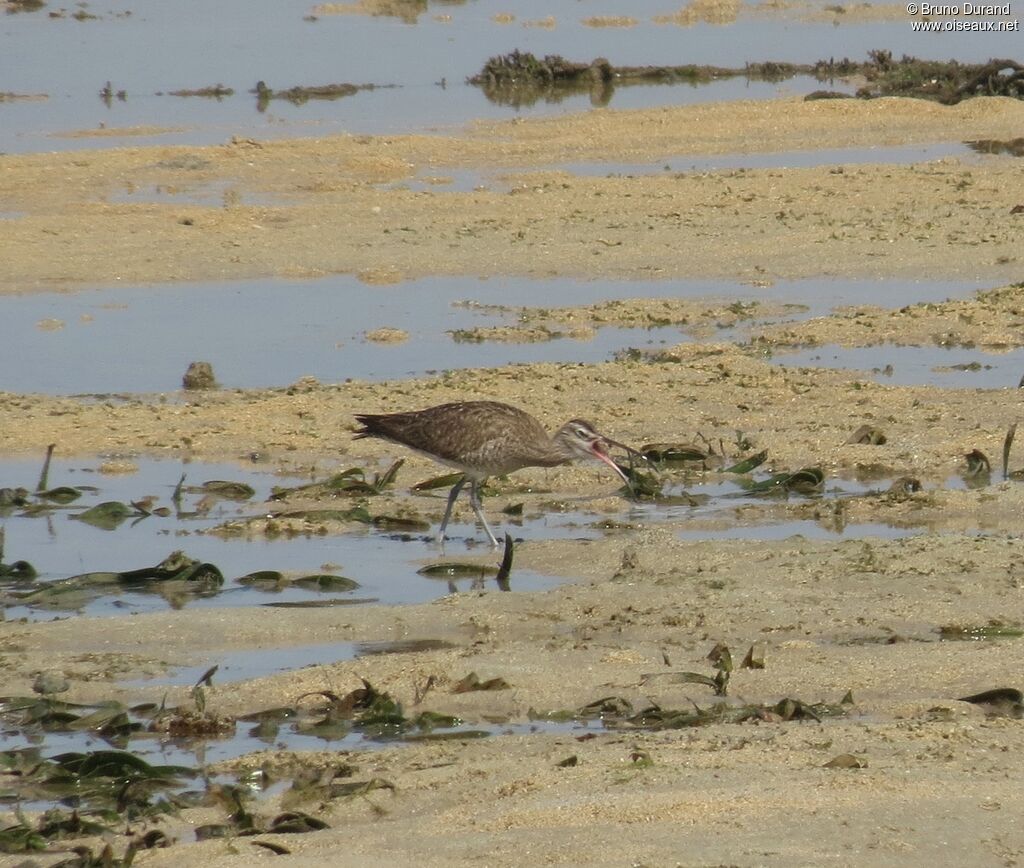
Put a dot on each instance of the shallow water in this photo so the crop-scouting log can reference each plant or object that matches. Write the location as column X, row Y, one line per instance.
column 502, row 179
column 79, row 343
column 806, row 528
column 384, row 564
column 148, row 48
column 717, row 518
column 200, row 752
column 902, row 155
column 260, row 662
column 945, row 367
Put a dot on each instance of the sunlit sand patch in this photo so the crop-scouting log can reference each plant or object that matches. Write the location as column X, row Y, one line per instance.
column 117, row 466
column 850, row 13
column 387, row 335
column 407, row 10
column 609, row 21
column 990, row 321
column 117, row 132
column 382, row 276
column 10, row 96
column 581, row 323
column 702, row 11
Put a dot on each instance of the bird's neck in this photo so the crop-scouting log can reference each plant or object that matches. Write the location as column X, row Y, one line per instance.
column 557, row 452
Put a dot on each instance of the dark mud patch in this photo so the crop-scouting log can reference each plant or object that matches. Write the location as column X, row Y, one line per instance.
column 215, row 91
column 301, row 94
column 407, row 11
column 10, row 96
column 947, row 82
column 12, row 7
column 997, row 147
column 519, row 78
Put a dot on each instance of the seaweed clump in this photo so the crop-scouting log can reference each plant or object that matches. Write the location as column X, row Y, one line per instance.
column 947, row 82
column 520, row 78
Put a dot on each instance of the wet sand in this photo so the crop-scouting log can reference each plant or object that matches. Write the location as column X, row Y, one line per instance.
column 939, row 783
column 313, row 207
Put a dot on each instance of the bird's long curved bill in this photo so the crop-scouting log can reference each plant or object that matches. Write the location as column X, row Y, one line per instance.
column 599, row 451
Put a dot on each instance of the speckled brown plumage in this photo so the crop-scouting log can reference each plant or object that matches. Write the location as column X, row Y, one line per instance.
column 485, row 438
column 481, row 438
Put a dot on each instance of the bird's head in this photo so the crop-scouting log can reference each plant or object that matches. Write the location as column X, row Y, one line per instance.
column 580, row 440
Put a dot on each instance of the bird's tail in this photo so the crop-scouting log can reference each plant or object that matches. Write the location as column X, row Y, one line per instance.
column 371, row 426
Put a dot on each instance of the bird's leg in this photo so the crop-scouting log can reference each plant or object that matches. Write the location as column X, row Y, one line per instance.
column 474, row 501
column 448, row 509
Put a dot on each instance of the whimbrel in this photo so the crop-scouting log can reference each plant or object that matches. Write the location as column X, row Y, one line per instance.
column 487, row 438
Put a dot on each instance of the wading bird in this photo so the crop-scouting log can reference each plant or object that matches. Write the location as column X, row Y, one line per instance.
column 487, row 438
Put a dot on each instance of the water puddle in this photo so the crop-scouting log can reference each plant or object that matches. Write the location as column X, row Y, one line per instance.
column 998, row 147
column 902, row 155
column 75, row 569
column 503, row 180
column 261, row 662
column 724, row 509
column 251, row 663
column 47, row 751
column 806, row 528
column 77, row 343
column 215, row 193
column 945, row 367
column 58, row 546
